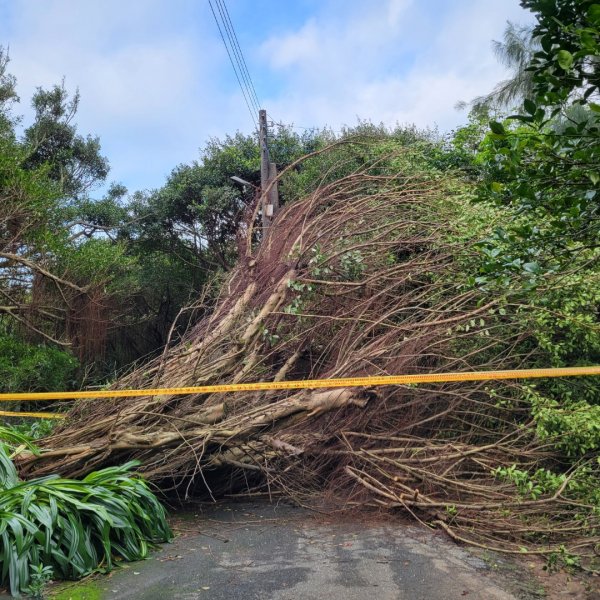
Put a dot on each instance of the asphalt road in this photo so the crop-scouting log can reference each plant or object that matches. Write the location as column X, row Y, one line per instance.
column 265, row 552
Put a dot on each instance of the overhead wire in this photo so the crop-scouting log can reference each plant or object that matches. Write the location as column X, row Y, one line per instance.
column 238, row 51
column 242, row 87
column 240, row 66
column 244, row 65
column 230, row 33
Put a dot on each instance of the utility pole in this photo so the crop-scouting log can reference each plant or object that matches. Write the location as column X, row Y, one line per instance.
column 268, row 172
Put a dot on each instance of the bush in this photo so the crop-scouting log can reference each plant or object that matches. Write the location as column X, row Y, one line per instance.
column 72, row 527
column 34, row 367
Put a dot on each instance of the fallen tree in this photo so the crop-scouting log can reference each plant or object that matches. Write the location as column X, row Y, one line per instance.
column 365, row 276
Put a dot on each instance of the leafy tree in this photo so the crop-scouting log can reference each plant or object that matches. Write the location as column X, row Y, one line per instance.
column 180, row 237
column 29, row 229
column 515, row 52
column 544, row 162
column 567, row 68
column 538, row 173
column 44, row 293
column 8, row 95
column 73, row 161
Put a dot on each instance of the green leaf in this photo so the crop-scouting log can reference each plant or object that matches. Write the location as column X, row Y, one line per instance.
column 546, row 43
column 564, row 59
column 531, row 267
column 524, row 118
column 593, row 14
column 497, row 128
column 589, row 40
column 70, row 527
column 595, row 107
column 530, row 106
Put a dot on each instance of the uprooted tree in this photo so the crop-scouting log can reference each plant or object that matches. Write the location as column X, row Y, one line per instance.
column 368, row 274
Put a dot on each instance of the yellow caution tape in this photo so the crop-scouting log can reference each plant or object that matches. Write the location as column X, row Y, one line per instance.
column 34, row 415
column 309, row 384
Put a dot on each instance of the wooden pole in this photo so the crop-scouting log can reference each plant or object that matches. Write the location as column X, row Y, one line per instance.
column 264, row 166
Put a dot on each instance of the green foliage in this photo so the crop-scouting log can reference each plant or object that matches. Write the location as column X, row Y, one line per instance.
column 14, row 436
column 561, row 558
column 537, row 253
column 8, row 473
column 461, row 149
column 357, row 146
column 8, row 95
column 70, row 527
column 30, row 429
column 545, row 171
column 197, row 213
column 564, row 318
column 582, row 484
column 41, row 173
column 38, row 578
column 538, row 171
column 34, row 367
column 547, row 168
column 303, row 293
column 571, row 424
column 165, row 247
column 28, row 198
column 105, row 214
column 100, row 261
column 533, row 485
column 73, row 162
column 566, row 63
column 352, row 266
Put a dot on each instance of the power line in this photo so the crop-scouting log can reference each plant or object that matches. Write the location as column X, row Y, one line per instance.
column 242, row 87
column 233, row 64
column 241, row 54
column 236, row 55
column 237, row 43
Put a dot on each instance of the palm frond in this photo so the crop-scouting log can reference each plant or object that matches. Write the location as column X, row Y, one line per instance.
column 515, row 52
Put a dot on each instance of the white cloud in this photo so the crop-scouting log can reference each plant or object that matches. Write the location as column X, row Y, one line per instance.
column 296, row 48
column 149, row 81
column 413, row 66
column 396, row 9
column 156, row 83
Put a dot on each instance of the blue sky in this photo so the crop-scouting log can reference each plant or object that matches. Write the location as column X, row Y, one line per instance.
column 156, row 83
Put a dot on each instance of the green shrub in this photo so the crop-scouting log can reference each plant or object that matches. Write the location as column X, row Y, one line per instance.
column 34, row 367
column 72, row 527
